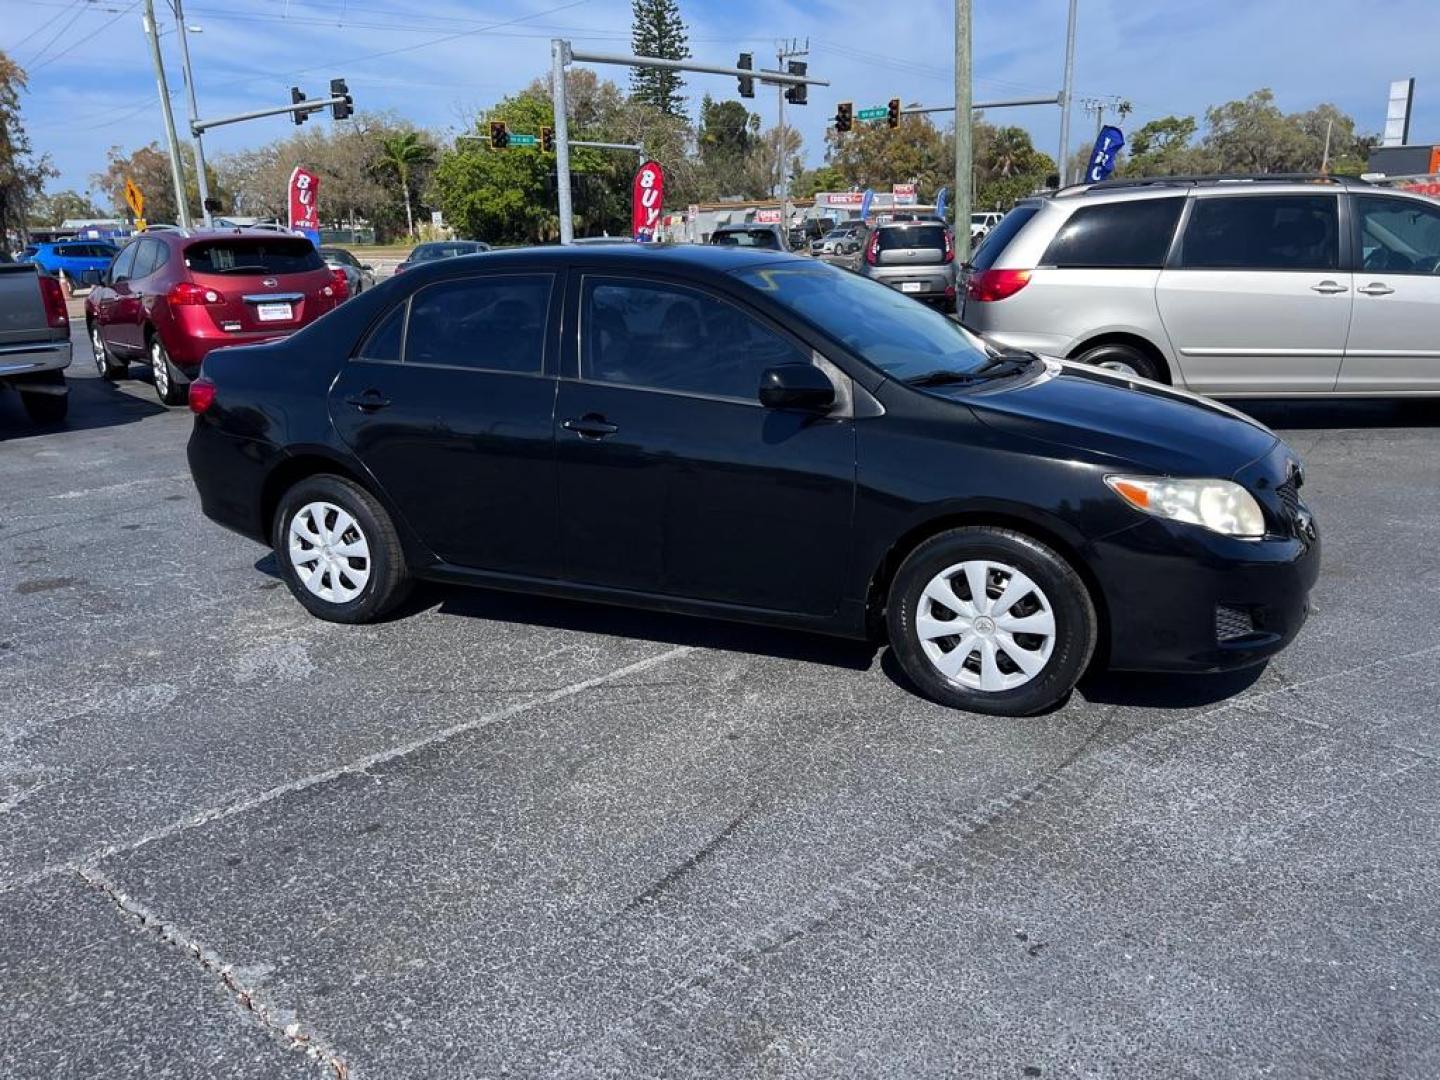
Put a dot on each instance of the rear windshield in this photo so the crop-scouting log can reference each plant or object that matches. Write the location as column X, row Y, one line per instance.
column 913, row 236
column 243, row 255
column 427, row 252
column 998, row 238
column 756, row 238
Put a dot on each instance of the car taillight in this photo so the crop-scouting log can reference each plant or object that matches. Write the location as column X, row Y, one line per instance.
column 996, row 284
column 54, row 299
column 872, row 253
column 949, row 246
column 339, row 286
column 188, row 293
column 202, row 395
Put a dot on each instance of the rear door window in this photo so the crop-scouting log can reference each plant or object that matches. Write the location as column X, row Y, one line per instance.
column 1263, row 232
column 913, row 237
column 1121, row 235
column 246, row 255
column 998, row 238
column 492, row 323
column 125, row 263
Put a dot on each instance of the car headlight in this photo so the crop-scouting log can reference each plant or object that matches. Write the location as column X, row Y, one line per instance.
column 1219, row 505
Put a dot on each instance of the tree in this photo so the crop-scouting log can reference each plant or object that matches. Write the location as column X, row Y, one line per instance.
column 51, row 210
column 149, row 168
column 825, row 178
column 656, row 30
column 21, row 175
column 403, row 154
column 1253, row 136
column 1163, row 147
column 1007, row 165
column 725, row 141
column 876, row 156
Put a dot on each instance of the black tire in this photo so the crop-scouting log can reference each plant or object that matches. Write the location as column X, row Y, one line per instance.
column 1072, row 611
column 170, row 386
column 46, row 408
column 110, row 369
column 1117, row 357
column 388, row 580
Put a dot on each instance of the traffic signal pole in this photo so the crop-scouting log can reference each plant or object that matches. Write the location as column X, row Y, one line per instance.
column 964, row 162
column 202, row 181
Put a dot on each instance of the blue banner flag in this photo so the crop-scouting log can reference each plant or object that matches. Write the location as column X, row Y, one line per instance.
column 940, row 202
column 1102, row 158
column 865, row 204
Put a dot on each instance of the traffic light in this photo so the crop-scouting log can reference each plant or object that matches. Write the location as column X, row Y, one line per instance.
column 499, row 135
column 892, row 112
column 747, row 84
column 844, row 116
column 341, row 110
column 547, row 140
column 797, row 93
column 296, row 97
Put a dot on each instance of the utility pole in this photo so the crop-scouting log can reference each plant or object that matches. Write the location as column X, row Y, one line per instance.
column 784, row 51
column 1325, row 161
column 1064, row 159
column 202, row 181
column 177, row 171
column 964, row 167
column 559, row 57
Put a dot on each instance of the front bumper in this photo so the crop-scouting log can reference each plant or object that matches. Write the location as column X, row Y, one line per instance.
column 1182, row 599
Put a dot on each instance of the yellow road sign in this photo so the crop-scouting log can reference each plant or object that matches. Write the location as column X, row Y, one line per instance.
column 133, row 198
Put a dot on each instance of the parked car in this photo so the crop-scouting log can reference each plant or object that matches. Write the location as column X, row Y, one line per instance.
column 805, row 232
column 762, row 437
column 847, row 238
column 767, row 237
column 358, row 276
column 1258, row 286
column 441, row 249
column 982, row 221
column 34, row 340
column 75, row 257
column 172, row 295
column 915, row 257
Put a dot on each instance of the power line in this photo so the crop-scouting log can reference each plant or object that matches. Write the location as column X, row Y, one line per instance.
column 81, row 41
column 46, row 24
column 79, row 10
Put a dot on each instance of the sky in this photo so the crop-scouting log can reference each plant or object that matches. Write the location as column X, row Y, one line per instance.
column 440, row 62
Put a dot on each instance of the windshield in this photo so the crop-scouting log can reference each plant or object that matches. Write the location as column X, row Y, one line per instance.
column 884, row 328
column 758, row 238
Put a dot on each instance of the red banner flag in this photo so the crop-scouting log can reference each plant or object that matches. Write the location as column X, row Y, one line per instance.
column 304, row 187
column 649, row 198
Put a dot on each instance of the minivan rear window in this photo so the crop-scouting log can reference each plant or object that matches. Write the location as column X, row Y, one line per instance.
column 998, row 238
column 913, row 236
column 243, row 255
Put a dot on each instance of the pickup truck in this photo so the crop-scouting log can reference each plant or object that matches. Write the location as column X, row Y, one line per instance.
column 34, row 341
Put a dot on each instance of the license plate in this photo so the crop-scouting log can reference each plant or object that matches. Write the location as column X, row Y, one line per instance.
column 276, row 312
column 910, row 286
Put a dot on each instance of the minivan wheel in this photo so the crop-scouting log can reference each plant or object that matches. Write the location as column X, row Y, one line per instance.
column 338, row 551
column 1123, row 359
column 168, row 385
column 991, row 621
column 109, row 368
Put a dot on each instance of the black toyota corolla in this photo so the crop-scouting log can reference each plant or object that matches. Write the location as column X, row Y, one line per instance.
column 754, row 436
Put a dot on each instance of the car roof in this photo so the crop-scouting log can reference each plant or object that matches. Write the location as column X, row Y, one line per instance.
column 188, row 236
column 629, row 256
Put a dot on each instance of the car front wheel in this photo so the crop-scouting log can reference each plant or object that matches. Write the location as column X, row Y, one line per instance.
column 991, row 621
column 338, row 551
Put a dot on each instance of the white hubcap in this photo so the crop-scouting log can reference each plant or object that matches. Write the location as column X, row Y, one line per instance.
column 985, row 625
column 160, row 368
column 1120, row 366
column 99, row 346
column 329, row 552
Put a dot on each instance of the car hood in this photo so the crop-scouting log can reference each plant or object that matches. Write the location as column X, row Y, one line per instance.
column 1134, row 422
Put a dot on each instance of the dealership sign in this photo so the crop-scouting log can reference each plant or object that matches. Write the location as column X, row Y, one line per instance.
column 649, row 197
column 767, row 217
column 844, row 198
column 903, row 194
column 304, row 212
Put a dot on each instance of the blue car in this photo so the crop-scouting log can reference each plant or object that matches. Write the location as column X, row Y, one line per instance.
column 72, row 256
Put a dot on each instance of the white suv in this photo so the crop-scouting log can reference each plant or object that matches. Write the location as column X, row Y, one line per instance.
column 1259, row 286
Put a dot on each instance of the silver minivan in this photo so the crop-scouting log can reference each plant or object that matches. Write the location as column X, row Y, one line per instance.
column 1258, row 286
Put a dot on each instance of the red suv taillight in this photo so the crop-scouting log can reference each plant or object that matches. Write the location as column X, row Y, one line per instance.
column 187, row 293
column 54, row 299
column 949, row 247
column 996, row 284
column 872, row 252
column 339, row 286
column 202, row 395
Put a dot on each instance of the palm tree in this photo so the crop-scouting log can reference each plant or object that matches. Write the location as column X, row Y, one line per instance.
column 400, row 154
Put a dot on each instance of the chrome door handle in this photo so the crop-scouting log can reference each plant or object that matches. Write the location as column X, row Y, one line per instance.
column 1328, row 287
column 1375, row 288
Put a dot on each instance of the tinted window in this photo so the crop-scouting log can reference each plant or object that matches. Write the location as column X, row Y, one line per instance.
column 1399, row 236
column 667, row 337
column 1263, row 232
column 428, row 252
column 998, row 238
column 1133, row 235
column 913, row 236
column 152, row 255
column 883, row 327
column 486, row 323
column 384, row 341
column 756, row 238
column 125, row 263
column 244, row 255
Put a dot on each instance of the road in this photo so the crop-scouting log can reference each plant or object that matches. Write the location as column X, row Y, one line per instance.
column 500, row 835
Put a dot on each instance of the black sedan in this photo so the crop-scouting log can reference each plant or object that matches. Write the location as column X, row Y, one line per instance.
column 760, row 437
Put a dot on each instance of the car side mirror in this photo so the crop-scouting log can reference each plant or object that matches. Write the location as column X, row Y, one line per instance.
column 797, row 386
column 366, row 266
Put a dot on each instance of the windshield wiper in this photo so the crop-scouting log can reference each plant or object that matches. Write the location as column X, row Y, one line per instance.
column 942, row 377
column 241, row 270
column 1010, row 362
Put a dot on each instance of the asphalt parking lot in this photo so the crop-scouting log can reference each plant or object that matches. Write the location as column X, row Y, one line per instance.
column 511, row 836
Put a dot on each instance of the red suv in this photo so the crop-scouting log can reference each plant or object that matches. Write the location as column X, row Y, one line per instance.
column 172, row 295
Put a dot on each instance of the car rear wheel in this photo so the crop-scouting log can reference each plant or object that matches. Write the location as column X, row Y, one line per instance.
column 108, row 367
column 338, row 551
column 1123, row 359
column 991, row 621
column 168, row 385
